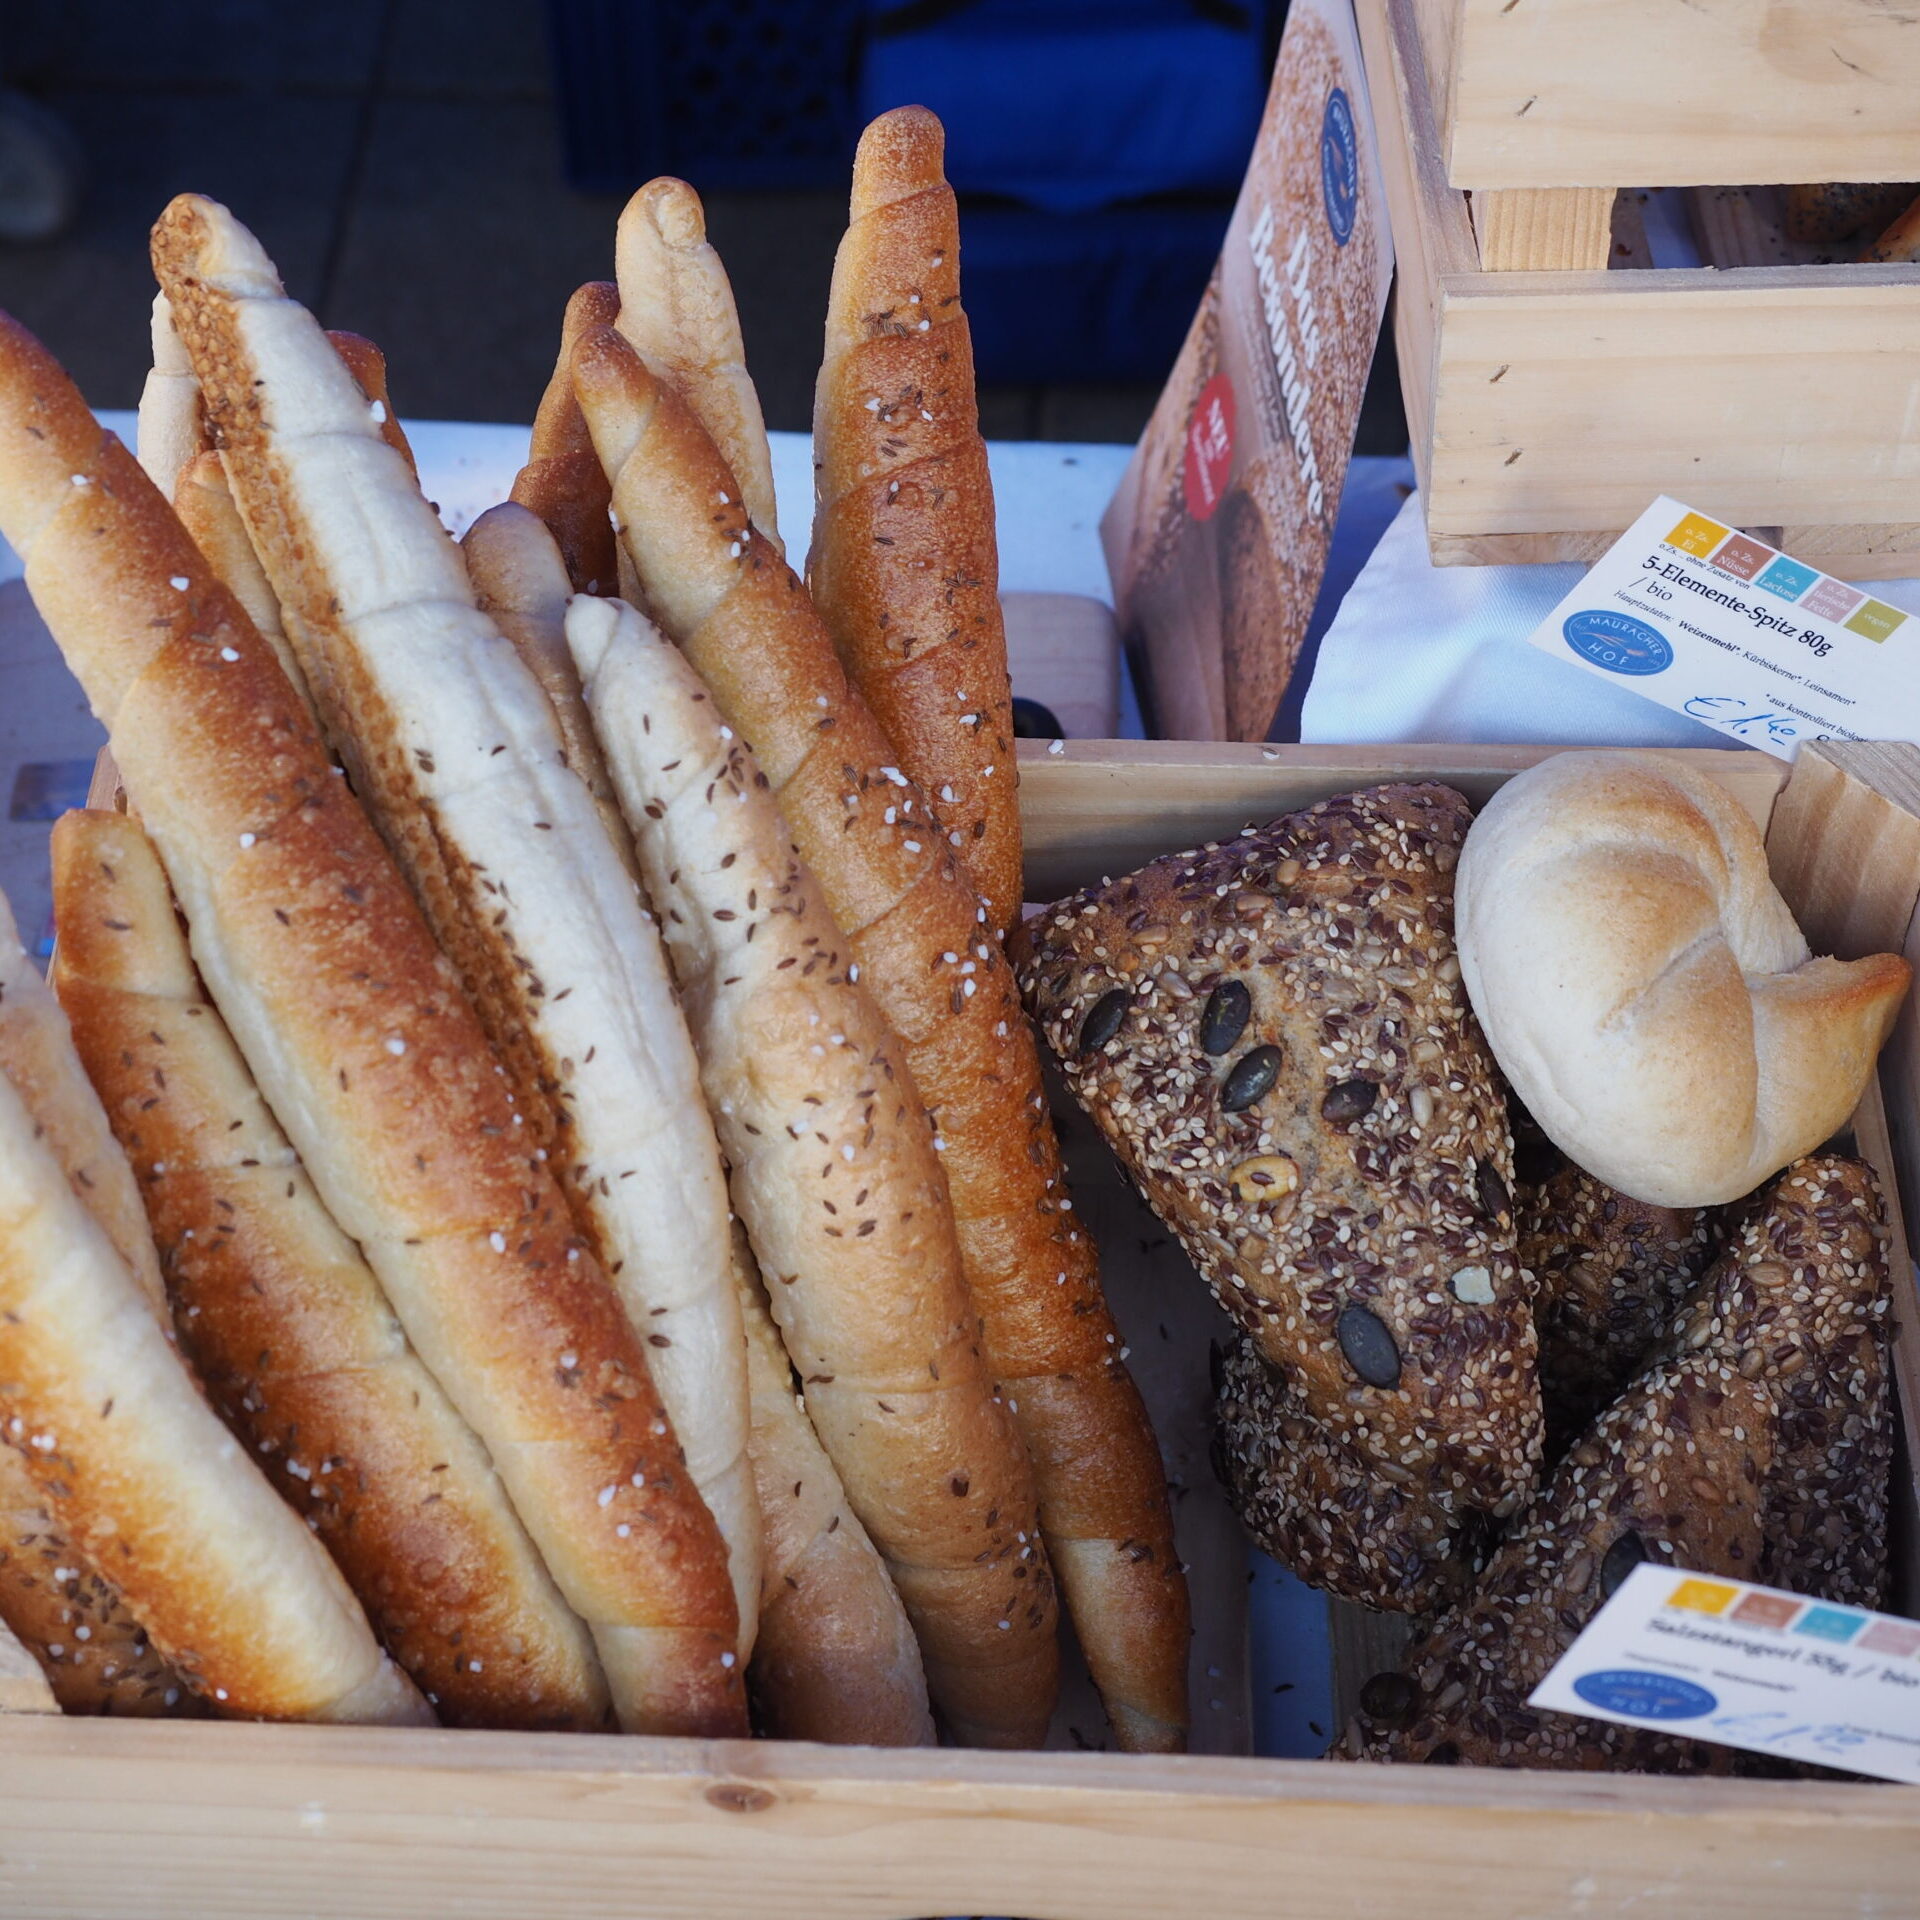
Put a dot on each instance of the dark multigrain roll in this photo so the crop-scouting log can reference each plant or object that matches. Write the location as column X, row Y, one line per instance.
column 1364, row 1530
column 1609, row 1273
column 1759, row 1448
column 1273, row 1037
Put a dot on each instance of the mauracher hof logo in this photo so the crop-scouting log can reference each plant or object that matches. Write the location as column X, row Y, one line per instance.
column 1618, row 642
column 1339, row 166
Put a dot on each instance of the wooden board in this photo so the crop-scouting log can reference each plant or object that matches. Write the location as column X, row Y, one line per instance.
column 1681, row 93
column 1533, row 229
column 1546, row 410
column 174, row 1820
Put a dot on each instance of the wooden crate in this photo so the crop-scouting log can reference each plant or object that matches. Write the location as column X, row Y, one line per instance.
column 1549, row 398
column 195, row 1819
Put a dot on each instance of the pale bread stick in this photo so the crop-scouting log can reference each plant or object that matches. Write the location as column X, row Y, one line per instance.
column 562, row 481
column 920, row 936
column 171, row 427
column 836, row 1659
column 839, row 1185
column 368, row 365
column 453, row 745
column 356, row 1029
column 520, row 583
column 288, row 1328
column 676, row 309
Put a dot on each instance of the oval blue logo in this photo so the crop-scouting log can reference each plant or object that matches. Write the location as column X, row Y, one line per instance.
column 1647, row 1696
column 1339, row 166
column 1618, row 642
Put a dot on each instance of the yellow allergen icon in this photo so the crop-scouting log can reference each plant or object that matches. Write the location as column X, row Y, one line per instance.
column 1703, row 1596
column 1698, row 535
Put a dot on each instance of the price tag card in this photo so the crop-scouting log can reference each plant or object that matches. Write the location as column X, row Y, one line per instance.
column 1748, row 1667
column 1719, row 626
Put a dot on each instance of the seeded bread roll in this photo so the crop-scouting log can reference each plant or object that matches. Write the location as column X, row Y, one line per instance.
column 1609, row 1275
column 919, row 934
column 355, row 1028
column 453, row 747
column 904, row 568
column 1758, row 1448
column 1272, row 1036
column 839, row 1185
column 1357, row 1527
column 132, row 1465
column 1836, row 210
column 368, row 365
column 836, row 1659
column 676, row 308
column 1900, row 241
column 1644, row 986
column 562, row 481
column 520, row 583
column 287, row 1328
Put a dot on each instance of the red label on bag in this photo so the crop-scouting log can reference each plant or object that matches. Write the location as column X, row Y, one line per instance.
column 1209, row 447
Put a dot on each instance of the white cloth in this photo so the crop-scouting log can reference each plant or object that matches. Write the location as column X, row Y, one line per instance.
column 1419, row 652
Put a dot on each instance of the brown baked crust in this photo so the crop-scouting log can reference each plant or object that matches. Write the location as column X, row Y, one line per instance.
column 1339, row 1520
column 838, row 1181
column 287, row 1328
column 1359, row 1207
column 368, row 365
column 904, row 566
column 562, row 481
column 1759, row 1447
column 317, row 956
column 1901, row 240
column 919, row 935
column 1609, row 1275
column 1826, row 211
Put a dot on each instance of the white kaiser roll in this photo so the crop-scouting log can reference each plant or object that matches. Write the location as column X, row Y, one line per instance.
column 1645, row 988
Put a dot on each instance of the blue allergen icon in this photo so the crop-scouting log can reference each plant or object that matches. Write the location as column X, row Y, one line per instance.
column 1617, row 641
column 1646, row 1696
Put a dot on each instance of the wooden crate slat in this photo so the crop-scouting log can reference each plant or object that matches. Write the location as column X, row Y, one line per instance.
column 1676, row 93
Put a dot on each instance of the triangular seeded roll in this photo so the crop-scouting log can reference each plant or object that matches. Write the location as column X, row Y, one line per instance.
column 356, row 1030
column 928, row 958
column 905, row 566
column 288, row 1328
column 838, row 1181
column 453, row 746
column 1759, row 1447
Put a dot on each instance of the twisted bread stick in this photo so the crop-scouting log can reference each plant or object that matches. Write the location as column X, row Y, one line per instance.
column 454, row 747
column 562, row 481
column 355, row 1027
column 925, row 954
column 904, row 567
column 677, row 311
column 837, row 1180
column 289, row 1330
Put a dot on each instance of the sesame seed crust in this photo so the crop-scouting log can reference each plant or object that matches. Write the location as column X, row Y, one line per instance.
column 1339, row 1171
column 1611, row 1273
column 1758, row 1447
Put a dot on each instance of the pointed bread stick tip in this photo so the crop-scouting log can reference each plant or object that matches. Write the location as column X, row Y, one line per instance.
column 675, row 210
column 900, row 154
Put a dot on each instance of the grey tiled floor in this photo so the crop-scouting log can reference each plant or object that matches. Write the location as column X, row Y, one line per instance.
column 399, row 159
